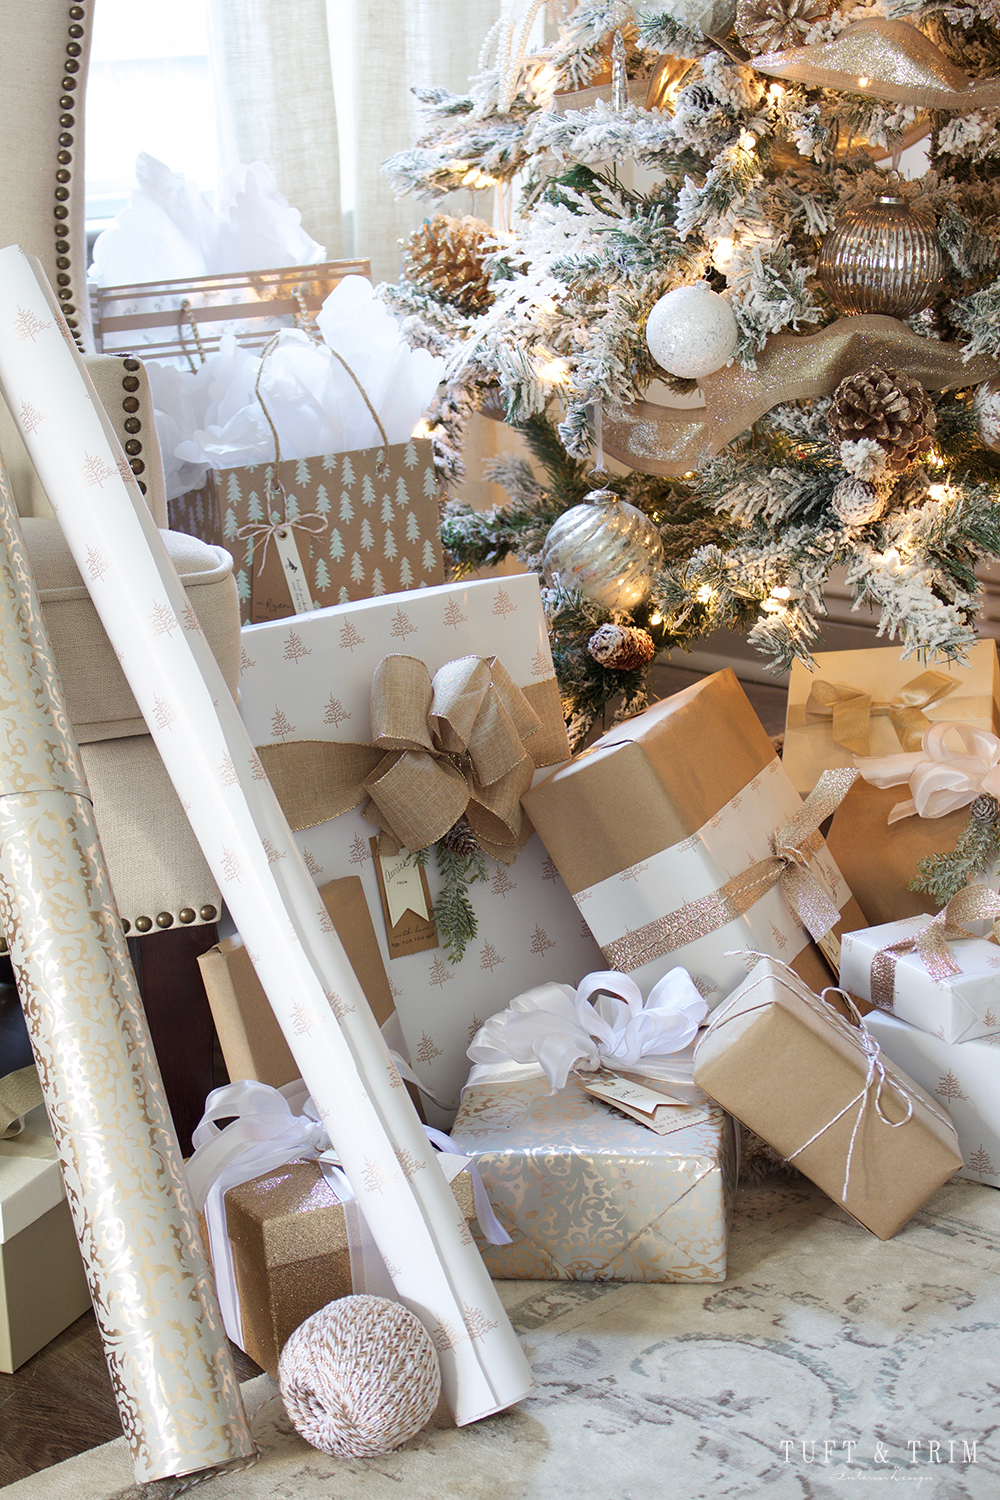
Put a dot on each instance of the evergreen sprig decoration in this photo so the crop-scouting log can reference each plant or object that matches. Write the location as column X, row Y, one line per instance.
column 942, row 876
column 454, row 915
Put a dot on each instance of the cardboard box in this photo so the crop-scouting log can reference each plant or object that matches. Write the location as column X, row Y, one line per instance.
column 883, row 678
column 794, row 1070
column 42, row 1283
column 588, row 1194
column 956, row 1009
column 663, row 811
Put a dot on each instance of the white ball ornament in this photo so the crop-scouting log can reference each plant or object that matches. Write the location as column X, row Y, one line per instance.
column 692, row 331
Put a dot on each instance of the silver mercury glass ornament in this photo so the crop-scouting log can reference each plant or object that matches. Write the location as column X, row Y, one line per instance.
column 606, row 548
column 883, row 258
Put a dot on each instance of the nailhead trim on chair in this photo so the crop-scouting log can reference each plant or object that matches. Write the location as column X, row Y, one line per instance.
column 64, row 285
column 133, row 447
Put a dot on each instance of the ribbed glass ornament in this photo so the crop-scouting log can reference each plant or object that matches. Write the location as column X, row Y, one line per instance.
column 882, row 258
column 606, row 548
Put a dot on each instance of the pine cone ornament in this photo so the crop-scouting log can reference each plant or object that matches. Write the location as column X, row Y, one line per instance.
column 891, row 409
column 856, row 503
column 625, row 648
column 460, row 839
column 446, row 256
column 775, row 25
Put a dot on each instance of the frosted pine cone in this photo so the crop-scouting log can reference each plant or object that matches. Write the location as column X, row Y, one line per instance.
column 625, row 648
column 892, row 410
column 856, row 504
column 775, row 25
column 446, row 256
column 460, row 839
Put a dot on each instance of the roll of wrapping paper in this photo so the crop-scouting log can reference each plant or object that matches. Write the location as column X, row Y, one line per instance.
column 236, row 818
column 149, row 1278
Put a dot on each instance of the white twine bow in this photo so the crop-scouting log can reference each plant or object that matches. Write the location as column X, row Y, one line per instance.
column 268, row 1128
column 941, row 778
column 603, row 1023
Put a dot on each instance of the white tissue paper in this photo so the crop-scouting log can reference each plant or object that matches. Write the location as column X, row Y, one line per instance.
column 212, row 418
column 170, row 229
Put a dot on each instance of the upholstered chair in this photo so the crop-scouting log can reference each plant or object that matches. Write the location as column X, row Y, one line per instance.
column 166, row 895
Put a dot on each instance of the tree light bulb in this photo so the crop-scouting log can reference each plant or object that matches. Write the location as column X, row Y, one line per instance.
column 938, row 491
column 722, row 253
column 747, row 141
column 553, row 372
column 781, row 593
column 421, row 430
column 656, row 619
column 705, row 594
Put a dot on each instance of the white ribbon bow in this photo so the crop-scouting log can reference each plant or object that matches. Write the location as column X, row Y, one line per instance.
column 941, row 779
column 562, row 1028
column 269, row 1128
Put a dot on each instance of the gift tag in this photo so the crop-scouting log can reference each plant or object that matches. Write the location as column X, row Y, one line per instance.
column 406, row 903
column 658, row 1112
column 291, row 566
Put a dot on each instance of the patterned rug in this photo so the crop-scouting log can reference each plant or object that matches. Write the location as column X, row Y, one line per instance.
column 827, row 1362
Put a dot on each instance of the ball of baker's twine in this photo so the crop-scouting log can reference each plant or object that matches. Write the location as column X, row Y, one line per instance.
column 359, row 1377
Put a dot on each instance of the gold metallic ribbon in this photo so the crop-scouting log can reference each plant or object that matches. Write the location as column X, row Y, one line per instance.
column 675, row 441
column 441, row 750
column 851, row 710
column 974, row 903
column 791, row 846
column 883, row 59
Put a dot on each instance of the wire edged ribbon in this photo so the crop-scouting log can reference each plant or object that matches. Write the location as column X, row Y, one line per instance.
column 851, row 710
column 941, row 778
column 972, row 904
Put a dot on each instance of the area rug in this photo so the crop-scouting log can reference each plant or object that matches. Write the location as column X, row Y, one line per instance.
column 826, row 1363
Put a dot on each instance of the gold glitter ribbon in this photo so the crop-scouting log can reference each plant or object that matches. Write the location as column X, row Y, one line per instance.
column 674, row 441
column 792, row 845
column 851, row 710
column 974, row 903
column 457, row 746
column 883, row 59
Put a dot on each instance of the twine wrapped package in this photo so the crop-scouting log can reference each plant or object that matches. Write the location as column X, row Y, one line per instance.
column 307, row 689
column 682, row 839
column 963, row 1078
column 814, row 1086
column 931, row 971
column 876, row 703
column 42, row 1283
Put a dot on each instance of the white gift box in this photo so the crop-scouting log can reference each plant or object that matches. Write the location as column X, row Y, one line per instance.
column 310, row 677
column 957, row 1009
column 965, row 1077
column 42, row 1284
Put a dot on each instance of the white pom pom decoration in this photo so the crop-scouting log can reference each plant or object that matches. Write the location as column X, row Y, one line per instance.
column 692, row 331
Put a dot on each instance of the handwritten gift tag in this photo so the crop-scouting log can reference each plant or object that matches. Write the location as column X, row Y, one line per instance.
column 406, row 903
column 658, row 1112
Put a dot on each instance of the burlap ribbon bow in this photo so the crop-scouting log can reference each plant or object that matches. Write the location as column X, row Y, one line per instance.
column 851, row 710
column 440, row 749
column 974, row 903
column 792, row 845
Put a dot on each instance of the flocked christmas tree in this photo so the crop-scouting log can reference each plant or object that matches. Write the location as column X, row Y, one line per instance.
column 843, row 327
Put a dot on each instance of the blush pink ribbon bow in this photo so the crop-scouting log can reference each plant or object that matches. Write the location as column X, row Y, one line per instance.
column 941, row 778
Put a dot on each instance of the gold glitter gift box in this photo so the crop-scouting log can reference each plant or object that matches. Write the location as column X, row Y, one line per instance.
column 290, row 1251
column 588, row 1194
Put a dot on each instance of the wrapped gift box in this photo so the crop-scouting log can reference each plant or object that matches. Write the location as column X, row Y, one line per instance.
column 969, row 693
column 956, row 1009
column 965, row 1079
column 588, row 1194
column 290, row 1250
column 42, row 1284
column 311, row 678
column 663, row 811
column 794, row 1070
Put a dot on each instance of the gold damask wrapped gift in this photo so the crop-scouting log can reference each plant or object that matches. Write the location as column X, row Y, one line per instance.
column 586, row 1193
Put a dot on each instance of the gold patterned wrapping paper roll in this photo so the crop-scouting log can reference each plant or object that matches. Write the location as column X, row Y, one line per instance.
column 149, row 1278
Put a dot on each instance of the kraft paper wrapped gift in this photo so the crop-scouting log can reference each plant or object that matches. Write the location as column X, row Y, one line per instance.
column 875, row 703
column 310, row 678
column 812, row 1084
column 963, row 1077
column 879, row 858
column 588, row 1194
column 663, row 812
column 883, row 967
column 290, row 1250
column 42, row 1283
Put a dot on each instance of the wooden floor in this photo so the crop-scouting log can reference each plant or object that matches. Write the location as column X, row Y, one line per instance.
column 60, row 1403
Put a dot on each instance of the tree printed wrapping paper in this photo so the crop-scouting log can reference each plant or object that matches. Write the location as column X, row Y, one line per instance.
column 322, row 1010
column 587, row 1194
column 359, row 533
column 963, row 1077
column 311, row 678
column 958, row 1008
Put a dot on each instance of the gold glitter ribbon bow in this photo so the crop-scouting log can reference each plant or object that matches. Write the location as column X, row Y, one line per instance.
column 791, row 846
column 443, row 749
column 974, row 903
column 851, row 710
column 674, row 441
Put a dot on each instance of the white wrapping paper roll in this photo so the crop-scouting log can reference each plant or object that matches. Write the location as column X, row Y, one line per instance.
column 149, row 1279
column 246, row 841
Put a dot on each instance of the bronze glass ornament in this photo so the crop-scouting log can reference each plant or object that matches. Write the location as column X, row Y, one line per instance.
column 606, row 548
column 883, row 258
